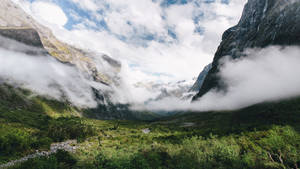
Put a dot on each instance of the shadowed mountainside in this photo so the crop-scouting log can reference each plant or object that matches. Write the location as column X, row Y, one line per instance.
column 263, row 23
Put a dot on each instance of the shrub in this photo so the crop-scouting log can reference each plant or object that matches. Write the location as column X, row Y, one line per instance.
column 59, row 160
column 69, row 128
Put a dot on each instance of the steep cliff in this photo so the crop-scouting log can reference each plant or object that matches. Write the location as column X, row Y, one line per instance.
column 199, row 82
column 263, row 23
column 18, row 25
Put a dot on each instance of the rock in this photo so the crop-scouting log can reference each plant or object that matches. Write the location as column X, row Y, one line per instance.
column 66, row 146
column 188, row 124
column 263, row 23
column 198, row 84
column 146, row 131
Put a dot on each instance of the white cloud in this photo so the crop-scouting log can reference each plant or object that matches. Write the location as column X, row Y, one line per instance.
column 134, row 17
column 172, row 59
column 265, row 75
column 45, row 75
column 90, row 5
column 48, row 12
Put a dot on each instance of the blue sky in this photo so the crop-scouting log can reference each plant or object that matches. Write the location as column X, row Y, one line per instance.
column 70, row 8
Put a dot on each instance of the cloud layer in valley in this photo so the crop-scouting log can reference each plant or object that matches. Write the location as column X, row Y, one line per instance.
column 157, row 41
column 45, row 75
column 265, row 75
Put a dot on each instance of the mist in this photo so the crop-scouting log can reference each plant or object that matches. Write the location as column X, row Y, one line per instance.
column 263, row 75
column 44, row 75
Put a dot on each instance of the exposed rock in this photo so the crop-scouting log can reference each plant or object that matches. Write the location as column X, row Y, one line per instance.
column 198, row 84
column 188, row 124
column 10, row 44
column 146, row 131
column 263, row 23
column 27, row 36
column 66, row 146
column 18, row 25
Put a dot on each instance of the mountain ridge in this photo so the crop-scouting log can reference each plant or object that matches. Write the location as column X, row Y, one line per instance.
column 263, row 23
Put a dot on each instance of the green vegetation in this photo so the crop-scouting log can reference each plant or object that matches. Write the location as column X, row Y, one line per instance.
column 61, row 159
column 261, row 136
column 27, row 123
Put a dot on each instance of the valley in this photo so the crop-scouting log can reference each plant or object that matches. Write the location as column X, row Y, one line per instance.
column 63, row 107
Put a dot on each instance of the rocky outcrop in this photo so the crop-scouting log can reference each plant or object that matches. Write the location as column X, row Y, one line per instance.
column 263, row 23
column 198, row 84
column 22, row 40
column 27, row 36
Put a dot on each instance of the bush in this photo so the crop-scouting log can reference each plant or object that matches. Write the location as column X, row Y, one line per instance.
column 16, row 142
column 69, row 128
column 59, row 160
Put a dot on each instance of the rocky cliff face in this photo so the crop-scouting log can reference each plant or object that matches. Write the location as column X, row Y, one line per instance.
column 263, row 23
column 18, row 25
column 199, row 82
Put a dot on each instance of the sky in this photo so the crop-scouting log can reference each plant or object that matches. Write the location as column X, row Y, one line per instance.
column 160, row 41
column 156, row 40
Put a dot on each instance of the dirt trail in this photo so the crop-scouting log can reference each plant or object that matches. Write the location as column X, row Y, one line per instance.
column 67, row 146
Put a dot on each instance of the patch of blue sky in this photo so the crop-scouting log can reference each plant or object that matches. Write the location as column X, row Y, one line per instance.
column 166, row 3
column 71, row 8
column 142, row 39
column 171, row 33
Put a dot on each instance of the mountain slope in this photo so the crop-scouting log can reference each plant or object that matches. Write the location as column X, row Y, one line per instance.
column 20, row 33
column 263, row 23
column 199, row 82
column 13, row 19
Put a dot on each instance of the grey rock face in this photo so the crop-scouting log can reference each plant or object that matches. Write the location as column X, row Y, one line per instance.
column 198, row 84
column 22, row 40
column 27, row 36
column 263, row 23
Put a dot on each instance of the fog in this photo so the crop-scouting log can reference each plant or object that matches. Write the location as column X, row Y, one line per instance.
column 263, row 75
column 44, row 75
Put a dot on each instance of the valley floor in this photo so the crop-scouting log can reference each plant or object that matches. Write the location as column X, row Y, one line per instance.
column 261, row 136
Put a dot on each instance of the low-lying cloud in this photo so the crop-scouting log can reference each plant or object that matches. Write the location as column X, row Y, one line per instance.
column 263, row 75
column 45, row 75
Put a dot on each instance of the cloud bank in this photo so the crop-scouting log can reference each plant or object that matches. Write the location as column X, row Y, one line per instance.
column 45, row 75
column 264, row 75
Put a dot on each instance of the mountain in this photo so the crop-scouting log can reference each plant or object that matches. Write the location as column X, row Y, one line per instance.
column 18, row 25
column 159, row 91
column 198, row 84
column 263, row 23
column 20, row 33
column 36, row 39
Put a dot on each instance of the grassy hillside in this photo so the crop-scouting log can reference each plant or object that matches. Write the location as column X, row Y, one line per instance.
column 261, row 136
column 28, row 123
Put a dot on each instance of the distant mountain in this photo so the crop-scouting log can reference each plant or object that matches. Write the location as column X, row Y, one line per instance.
column 263, row 23
column 179, row 89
